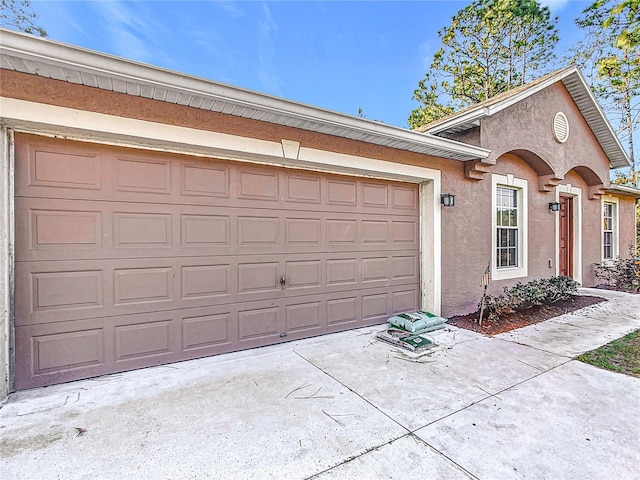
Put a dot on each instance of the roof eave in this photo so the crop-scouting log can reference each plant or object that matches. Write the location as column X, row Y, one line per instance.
column 624, row 190
column 582, row 96
column 246, row 102
column 599, row 124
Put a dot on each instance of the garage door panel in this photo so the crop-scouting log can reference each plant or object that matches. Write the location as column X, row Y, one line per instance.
column 94, row 230
column 301, row 188
column 405, row 268
column 201, row 332
column 53, row 291
column 258, row 184
column 405, row 232
column 142, row 175
column 404, row 300
column 141, row 230
column 204, row 179
column 150, row 339
column 259, row 325
column 46, row 167
column 303, row 232
column 65, row 229
column 375, row 195
column 305, row 317
column 126, row 259
column 71, row 290
column 343, row 312
column 106, row 173
column 57, row 353
column 204, row 231
column 404, row 197
column 205, row 281
column 69, row 350
column 57, row 292
column 303, row 274
column 375, row 306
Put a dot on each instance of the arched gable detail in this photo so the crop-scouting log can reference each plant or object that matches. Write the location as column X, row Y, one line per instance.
column 547, row 177
column 596, row 185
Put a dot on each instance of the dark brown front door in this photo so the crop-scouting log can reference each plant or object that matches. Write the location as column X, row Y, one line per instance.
column 566, row 236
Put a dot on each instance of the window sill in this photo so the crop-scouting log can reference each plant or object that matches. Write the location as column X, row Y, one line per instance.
column 508, row 273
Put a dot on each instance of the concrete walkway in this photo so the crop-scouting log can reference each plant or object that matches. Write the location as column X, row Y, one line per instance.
column 347, row 406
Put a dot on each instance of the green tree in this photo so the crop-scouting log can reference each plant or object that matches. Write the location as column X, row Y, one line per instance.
column 490, row 47
column 20, row 15
column 610, row 57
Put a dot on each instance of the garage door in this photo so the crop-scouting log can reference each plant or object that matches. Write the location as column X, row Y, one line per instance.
column 127, row 258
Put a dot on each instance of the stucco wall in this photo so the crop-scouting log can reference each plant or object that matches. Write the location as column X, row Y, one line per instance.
column 467, row 234
column 627, row 230
column 527, row 125
column 522, row 144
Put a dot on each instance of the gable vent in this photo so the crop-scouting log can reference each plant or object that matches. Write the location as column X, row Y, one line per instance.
column 560, row 127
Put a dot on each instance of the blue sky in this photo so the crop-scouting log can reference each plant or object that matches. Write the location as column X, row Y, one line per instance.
column 341, row 56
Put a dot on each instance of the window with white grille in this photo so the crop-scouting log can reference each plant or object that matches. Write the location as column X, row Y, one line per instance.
column 509, row 219
column 609, row 243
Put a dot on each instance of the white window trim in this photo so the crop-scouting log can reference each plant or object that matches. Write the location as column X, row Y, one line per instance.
column 523, row 221
column 576, row 193
column 616, row 232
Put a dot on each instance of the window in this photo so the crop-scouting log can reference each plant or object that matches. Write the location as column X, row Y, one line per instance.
column 509, row 222
column 609, row 233
column 507, row 227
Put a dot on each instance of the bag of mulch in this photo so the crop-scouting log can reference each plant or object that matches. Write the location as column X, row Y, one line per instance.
column 416, row 321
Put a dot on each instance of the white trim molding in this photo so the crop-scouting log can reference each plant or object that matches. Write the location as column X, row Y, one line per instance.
column 6, row 262
column 522, row 269
column 575, row 192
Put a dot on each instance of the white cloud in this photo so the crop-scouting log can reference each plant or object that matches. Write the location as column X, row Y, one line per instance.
column 131, row 31
column 231, row 8
column 554, row 5
column 267, row 28
column 425, row 50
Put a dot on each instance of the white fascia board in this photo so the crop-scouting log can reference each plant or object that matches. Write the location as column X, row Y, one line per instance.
column 586, row 89
column 473, row 115
column 512, row 100
column 67, row 56
column 486, row 111
column 624, row 190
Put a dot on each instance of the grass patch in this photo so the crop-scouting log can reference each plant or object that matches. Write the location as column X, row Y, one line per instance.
column 622, row 355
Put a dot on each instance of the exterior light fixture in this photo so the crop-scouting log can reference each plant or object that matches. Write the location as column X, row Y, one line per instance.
column 447, row 200
column 554, row 206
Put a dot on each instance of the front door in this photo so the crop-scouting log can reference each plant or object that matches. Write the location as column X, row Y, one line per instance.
column 566, row 236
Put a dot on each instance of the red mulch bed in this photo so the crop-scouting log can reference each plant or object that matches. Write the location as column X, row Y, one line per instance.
column 527, row 317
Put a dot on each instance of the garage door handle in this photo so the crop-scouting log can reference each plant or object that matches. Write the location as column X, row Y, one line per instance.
column 283, row 281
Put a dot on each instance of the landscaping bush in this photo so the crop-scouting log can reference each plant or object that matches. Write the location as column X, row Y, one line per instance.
column 533, row 294
column 621, row 274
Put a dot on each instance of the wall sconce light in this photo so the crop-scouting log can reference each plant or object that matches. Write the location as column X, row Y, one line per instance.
column 447, row 200
column 554, row 206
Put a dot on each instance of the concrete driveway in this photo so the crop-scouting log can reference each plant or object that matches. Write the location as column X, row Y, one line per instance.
column 347, row 406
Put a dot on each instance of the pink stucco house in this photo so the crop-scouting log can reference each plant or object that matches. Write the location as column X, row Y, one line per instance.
column 150, row 216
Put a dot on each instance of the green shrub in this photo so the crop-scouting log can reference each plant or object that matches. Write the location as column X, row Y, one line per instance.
column 532, row 294
column 621, row 274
